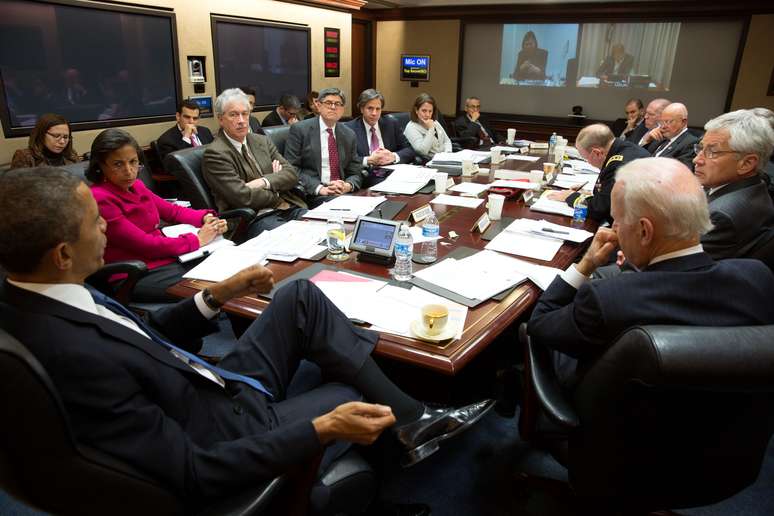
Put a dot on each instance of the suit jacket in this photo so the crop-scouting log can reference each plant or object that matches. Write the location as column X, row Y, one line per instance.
column 133, row 224
column 636, row 135
column 172, row 139
column 271, row 119
column 608, row 66
column 130, row 398
column 741, row 213
column 537, row 57
column 303, row 152
column 227, row 173
column 681, row 149
column 392, row 137
column 255, row 125
column 692, row 290
column 465, row 127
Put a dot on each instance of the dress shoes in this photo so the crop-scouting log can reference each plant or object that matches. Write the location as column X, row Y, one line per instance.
column 423, row 436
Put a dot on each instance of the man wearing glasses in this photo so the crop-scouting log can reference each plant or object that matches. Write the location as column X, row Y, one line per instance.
column 473, row 124
column 728, row 163
column 676, row 141
column 650, row 119
column 325, row 152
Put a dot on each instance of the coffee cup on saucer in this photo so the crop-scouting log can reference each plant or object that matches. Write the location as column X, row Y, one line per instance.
column 434, row 319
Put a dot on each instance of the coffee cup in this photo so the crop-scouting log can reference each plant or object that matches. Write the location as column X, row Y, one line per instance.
column 511, row 136
column 440, row 182
column 548, row 169
column 434, row 318
column 496, row 156
column 468, row 167
column 496, row 206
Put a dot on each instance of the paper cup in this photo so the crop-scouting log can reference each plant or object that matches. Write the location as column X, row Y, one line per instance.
column 511, row 136
column 440, row 182
column 496, row 206
column 549, row 168
column 468, row 167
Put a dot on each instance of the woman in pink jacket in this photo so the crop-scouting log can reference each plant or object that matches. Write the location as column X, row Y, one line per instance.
column 133, row 214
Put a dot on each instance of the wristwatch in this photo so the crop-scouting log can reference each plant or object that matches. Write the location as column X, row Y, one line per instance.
column 210, row 300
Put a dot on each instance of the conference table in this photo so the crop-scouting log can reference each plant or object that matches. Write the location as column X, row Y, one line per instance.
column 483, row 323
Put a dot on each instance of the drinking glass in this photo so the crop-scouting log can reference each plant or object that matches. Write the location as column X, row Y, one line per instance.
column 336, row 239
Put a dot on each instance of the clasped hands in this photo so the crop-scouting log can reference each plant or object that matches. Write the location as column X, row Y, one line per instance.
column 212, row 226
column 336, row 187
column 380, row 157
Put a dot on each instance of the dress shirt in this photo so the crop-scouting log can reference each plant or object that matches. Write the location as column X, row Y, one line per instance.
column 77, row 296
column 664, row 147
column 715, row 189
column 238, row 146
column 481, row 128
column 677, row 254
column 284, row 122
column 187, row 140
column 325, row 163
column 395, row 157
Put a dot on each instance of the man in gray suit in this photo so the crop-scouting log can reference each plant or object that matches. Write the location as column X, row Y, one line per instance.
column 672, row 138
column 729, row 162
column 247, row 171
column 324, row 151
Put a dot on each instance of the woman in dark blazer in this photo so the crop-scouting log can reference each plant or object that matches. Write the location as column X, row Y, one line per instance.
column 50, row 143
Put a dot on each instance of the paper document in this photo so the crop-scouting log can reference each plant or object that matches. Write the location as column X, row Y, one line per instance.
column 470, row 188
column 582, row 167
column 513, row 183
column 573, row 153
column 521, row 244
column 348, row 207
column 405, row 179
column 398, row 307
column 181, row 229
column 224, row 263
column 178, row 229
column 512, row 174
column 458, row 157
column 351, row 293
column 549, row 230
column 465, row 202
column 522, row 157
column 290, row 241
column 546, row 205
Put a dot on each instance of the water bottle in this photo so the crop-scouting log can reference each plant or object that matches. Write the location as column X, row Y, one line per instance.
column 551, row 144
column 404, row 248
column 430, row 229
column 580, row 211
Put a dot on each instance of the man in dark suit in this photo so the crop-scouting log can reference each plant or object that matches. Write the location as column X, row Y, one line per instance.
column 186, row 133
column 597, row 145
column 633, row 125
column 325, row 152
column 245, row 170
column 286, row 112
column 255, row 125
column 379, row 140
column 473, row 124
column 730, row 163
column 676, row 283
column 131, row 393
column 672, row 139
column 650, row 121
column 617, row 65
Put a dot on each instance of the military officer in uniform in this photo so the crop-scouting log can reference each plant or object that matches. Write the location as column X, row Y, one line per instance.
column 597, row 144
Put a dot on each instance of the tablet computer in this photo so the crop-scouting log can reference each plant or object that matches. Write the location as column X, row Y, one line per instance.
column 375, row 236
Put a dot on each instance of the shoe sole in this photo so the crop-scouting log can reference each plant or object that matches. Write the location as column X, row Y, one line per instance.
column 422, row 452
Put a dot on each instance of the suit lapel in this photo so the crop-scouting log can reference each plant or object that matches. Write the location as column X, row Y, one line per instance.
column 736, row 186
column 338, row 131
column 387, row 135
column 316, row 149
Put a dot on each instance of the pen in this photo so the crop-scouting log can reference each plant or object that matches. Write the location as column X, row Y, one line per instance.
column 575, row 189
column 549, row 230
column 338, row 209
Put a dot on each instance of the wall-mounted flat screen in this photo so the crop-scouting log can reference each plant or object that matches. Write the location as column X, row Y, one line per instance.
column 98, row 65
column 272, row 58
column 414, row 68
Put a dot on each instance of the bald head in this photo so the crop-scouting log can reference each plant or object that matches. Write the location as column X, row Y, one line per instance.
column 653, row 112
column 593, row 143
column 673, row 119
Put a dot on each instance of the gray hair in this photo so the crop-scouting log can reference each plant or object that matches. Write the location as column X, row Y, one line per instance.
column 289, row 101
column 666, row 190
column 367, row 96
column 748, row 133
column 228, row 96
column 764, row 113
column 594, row 135
column 327, row 92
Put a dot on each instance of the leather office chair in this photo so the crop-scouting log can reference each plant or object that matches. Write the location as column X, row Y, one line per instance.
column 668, row 417
column 43, row 466
column 278, row 135
column 402, row 119
column 186, row 166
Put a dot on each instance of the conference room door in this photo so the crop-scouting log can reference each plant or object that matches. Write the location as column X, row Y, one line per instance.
column 362, row 60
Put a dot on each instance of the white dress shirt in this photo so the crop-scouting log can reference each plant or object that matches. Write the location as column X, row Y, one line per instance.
column 395, row 157
column 191, row 140
column 325, row 164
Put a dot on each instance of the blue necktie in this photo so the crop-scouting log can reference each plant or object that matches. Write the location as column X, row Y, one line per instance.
column 117, row 308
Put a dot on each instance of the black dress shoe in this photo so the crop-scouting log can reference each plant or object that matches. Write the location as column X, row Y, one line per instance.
column 423, row 436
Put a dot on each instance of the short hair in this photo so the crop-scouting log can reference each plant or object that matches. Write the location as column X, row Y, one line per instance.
column 369, row 95
column 594, row 135
column 660, row 104
column 471, row 98
column 40, row 210
column 228, row 96
column 423, row 98
column 667, row 190
column 36, row 142
column 764, row 113
column 108, row 141
column 327, row 92
column 188, row 103
column 289, row 101
column 311, row 97
column 748, row 133
column 635, row 101
column 247, row 90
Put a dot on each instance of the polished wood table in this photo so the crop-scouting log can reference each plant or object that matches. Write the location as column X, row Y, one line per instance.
column 483, row 322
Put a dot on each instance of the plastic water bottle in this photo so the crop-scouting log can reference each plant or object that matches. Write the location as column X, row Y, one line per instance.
column 404, row 248
column 581, row 210
column 430, row 229
column 551, row 144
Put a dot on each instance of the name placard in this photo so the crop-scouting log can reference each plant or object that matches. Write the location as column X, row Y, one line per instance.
column 481, row 224
column 421, row 213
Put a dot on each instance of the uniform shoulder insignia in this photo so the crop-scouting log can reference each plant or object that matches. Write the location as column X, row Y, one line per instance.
column 617, row 157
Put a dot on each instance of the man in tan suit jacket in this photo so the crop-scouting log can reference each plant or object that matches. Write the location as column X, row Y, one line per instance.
column 247, row 171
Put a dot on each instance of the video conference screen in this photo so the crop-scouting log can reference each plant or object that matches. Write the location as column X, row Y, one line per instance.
column 87, row 64
column 273, row 59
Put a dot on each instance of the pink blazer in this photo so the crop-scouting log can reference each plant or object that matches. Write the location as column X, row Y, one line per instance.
column 133, row 224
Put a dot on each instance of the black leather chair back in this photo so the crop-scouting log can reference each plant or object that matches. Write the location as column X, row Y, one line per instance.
column 278, row 135
column 186, row 166
column 764, row 249
column 674, row 416
column 79, row 170
column 41, row 464
column 402, row 119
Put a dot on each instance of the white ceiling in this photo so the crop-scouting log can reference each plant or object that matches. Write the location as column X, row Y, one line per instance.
column 391, row 4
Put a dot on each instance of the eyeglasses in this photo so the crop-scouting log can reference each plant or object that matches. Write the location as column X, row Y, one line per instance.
column 474, row 106
column 63, row 137
column 709, row 152
column 332, row 105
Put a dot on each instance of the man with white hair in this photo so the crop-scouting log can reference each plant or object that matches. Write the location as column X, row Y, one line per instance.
column 729, row 162
column 651, row 120
column 660, row 213
column 247, row 171
column 673, row 139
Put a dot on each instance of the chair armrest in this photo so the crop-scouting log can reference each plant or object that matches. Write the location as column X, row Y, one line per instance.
column 252, row 501
column 243, row 216
column 134, row 270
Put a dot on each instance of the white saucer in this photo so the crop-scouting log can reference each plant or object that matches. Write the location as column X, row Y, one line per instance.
column 447, row 333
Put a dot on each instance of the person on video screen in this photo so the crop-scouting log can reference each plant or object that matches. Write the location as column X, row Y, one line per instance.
column 531, row 64
column 617, row 64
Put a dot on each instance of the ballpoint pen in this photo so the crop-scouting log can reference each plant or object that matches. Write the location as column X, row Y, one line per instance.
column 558, row 232
column 576, row 188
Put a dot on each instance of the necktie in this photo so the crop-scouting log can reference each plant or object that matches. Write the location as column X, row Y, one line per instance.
column 251, row 162
column 333, row 156
column 195, row 140
column 117, row 308
column 374, row 140
column 661, row 147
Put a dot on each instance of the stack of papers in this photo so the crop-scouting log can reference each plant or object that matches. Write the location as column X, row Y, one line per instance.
column 292, row 240
column 470, row 188
column 405, row 179
column 522, row 157
column 572, row 181
column 465, row 202
column 582, row 167
column 224, row 263
column 456, row 158
column 546, row 205
column 181, row 229
column 513, row 183
column 549, row 230
column 524, row 244
column 348, row 207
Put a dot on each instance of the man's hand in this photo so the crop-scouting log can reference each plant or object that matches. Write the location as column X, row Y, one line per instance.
column 292, row 119
column 560, row 195
column 188, row 130
column 337, row 187
column 653, row 135
column 605, row 241
column 620, row 258
column 355, row 422
column 208, row 232
column 257, row 184
column 276, row 166
column 475, row 115
column 255, row 279
column 381, row 157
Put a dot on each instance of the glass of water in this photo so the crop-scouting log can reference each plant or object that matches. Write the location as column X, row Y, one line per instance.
column 336, row 239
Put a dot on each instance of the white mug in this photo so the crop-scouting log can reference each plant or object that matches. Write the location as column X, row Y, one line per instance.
column 496, row 206
column 496, row 156
column 511, row 136
column 440, row 182
column 468, row 167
